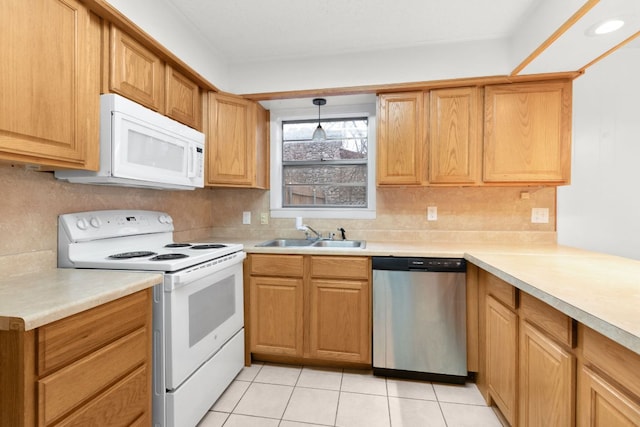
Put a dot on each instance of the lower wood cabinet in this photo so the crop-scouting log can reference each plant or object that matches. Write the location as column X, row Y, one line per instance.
column 608, row 382
column 92, row 368
column 541, row 368
column 276, row 306
column 547, row 380
column 501, row 357
column 604, row 404
column 310, row 307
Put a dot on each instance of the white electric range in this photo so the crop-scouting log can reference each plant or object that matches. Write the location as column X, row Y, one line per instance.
column 198, row 317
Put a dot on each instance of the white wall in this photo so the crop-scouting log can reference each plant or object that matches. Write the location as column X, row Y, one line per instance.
column 161, row 21
column 600, row 210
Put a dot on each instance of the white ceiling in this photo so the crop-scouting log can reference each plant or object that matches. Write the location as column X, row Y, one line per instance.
column 260, row 30
column 287, row 46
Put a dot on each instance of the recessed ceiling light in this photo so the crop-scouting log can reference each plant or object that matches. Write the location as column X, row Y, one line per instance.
column 605, row 27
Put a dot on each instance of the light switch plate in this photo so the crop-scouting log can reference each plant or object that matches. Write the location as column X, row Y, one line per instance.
column 540, row 215
column 246, row 217
column 432, row 213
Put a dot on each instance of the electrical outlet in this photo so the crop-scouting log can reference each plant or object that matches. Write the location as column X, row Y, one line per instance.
column 432, row 213
column 540, row 215
column 264, row 218
column 246, row 217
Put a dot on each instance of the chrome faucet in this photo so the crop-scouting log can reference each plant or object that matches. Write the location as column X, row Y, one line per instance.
column 308, row 229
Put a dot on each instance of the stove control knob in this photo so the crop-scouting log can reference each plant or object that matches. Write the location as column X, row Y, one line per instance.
column 95, row 222
column 82, row 224
column 165, row 219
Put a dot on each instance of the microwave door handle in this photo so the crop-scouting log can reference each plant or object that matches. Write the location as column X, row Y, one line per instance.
column 191, row 173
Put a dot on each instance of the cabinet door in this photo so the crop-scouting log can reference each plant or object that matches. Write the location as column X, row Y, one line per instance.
column 601, row 404
column 136, row 72
column 276, row 315
column 527, row 135
column 501, row 357
column 340, row 320
column 400, row 120
column 183, row 102
column 231, row 135
column 49, row 83
column 547, row 373
column 454, row 137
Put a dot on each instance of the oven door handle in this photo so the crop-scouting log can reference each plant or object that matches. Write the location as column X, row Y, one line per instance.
column 191, row 274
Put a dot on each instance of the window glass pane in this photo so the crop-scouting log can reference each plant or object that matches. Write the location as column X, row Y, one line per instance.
column 346, row 139
column 325, row 185
column 331, row 173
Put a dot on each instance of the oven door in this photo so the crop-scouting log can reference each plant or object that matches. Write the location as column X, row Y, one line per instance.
column 200, row 315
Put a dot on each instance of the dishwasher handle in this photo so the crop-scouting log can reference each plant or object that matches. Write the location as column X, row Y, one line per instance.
column 453, row 265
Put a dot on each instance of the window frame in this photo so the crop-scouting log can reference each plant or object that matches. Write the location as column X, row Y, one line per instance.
column 327, row 112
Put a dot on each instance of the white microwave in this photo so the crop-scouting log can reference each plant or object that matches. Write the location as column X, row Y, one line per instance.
column 142, row 148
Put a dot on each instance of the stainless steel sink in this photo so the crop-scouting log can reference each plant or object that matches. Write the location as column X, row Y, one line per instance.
column 292, row 243
column 281, row 243
column 357, row 244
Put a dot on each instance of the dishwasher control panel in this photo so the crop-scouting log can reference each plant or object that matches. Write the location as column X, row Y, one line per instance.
column 419, row 264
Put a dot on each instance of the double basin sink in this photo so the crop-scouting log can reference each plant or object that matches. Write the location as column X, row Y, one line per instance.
column 302, row 243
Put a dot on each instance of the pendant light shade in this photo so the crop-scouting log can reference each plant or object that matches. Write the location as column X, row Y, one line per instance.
column 319, row 134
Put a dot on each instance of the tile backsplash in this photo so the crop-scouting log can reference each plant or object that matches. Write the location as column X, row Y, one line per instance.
column 31, row 201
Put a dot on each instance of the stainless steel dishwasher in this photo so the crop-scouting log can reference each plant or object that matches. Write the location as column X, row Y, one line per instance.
column 419, row 318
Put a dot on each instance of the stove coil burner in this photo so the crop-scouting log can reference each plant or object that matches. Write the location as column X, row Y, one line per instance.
column 177, row 245
column 208, row 246
column 135, row 254
column 165, row 257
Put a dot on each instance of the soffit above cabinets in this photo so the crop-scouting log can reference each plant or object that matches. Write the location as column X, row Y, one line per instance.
column 578, row 47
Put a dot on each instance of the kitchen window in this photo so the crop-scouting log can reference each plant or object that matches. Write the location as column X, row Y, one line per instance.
column 334, row 178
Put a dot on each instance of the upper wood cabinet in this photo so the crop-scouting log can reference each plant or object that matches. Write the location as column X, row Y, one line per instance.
column 237, row 143
column 183, row 100
column 527, row 134
column 454, row 135
column 135, row 72
column 400, row 138
column 49, row 84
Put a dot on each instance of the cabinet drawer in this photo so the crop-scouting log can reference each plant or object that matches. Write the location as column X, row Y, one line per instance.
column 123, row 404
column 501, row 290
column 277, row 265
column 334, row 267
column 67, row 388
column 620, row 363
column 66, row 340
column 550, row 320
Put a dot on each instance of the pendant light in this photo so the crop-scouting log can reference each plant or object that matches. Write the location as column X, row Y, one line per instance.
column 319, row 134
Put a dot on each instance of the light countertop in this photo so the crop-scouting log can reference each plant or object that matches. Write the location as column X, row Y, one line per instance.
column 598, row 290
column 32, row 300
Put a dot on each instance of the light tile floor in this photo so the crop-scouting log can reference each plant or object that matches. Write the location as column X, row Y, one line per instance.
column 294, row 396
